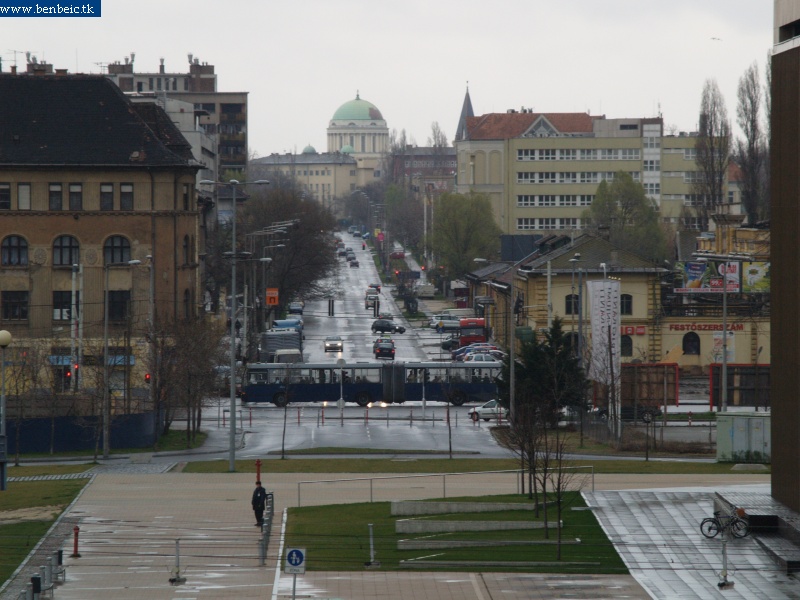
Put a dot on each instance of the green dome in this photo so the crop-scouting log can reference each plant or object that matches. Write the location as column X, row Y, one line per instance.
column 309, row 150
column 347, row 149
column 357, row 110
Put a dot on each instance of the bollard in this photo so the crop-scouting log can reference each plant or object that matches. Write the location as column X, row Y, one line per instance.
column 322, row 414
column 366, row 416
column 258, row 469
column 36, row 583
column 75, row 531
column 411, row 417
column 223, row 418
column 251, row 417
column 433, row 418
column 387, row 417
column 690, row 418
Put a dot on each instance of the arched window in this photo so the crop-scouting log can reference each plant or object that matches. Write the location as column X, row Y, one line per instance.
column 571, row 304
column 117, row 249
column 14, row 251
column 626, row 304
column 187, row 306
column 66, row 251
column 626, row 345
column 691, row 343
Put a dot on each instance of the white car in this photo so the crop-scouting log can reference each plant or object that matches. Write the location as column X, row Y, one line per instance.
column 491, row 410
column 333, row 343
column 482, row 357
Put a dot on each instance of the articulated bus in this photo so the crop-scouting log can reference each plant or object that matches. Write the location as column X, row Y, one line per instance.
column 365, row 383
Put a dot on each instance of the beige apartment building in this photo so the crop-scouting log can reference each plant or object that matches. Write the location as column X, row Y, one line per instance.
column 541, row 170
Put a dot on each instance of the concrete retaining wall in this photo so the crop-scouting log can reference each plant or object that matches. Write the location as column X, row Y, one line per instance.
column 425, row 526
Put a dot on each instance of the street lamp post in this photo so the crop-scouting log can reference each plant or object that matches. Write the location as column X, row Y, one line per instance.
column 151, row 332
column 5, row 341
column 234, row 184
column 106, row 391
column 724, row 374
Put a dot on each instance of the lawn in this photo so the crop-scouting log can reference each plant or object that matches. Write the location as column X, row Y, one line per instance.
column 336, row 538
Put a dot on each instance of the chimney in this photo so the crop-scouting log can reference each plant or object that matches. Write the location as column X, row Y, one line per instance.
column 61, row 72
column 604, row 232
column 161, row 68
column 13, row 69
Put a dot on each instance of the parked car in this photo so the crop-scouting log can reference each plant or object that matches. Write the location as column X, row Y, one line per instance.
column 481, row 357
column 354, row 264
column 342, row 252
column 448, row 326
column 460, row 352
column 385, row 350
column 397, row 254
column 334, row 343
column 630, row 413
column 436, row 319
column 491, row 410
column 451, row 342
column 296, row 308
column 387, row 316
column 386, row 326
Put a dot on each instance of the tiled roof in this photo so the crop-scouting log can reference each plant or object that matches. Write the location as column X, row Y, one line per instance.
column 77, row 120
column 504, row 126
column 288, row 160
column 164, row 128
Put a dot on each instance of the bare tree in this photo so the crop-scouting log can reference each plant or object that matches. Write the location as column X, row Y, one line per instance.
column 713, row 150
column 749, row 153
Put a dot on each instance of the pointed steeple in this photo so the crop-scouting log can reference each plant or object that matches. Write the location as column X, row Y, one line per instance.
column 466, row 111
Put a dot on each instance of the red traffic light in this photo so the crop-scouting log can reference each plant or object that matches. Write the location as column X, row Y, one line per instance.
column 422, row 267
column 68, row 374
column 147, row 377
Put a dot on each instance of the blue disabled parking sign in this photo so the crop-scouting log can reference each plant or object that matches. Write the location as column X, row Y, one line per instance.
column 295, row 561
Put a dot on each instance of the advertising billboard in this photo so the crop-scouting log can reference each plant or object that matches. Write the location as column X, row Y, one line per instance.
column 755, row 277
column 706, row 277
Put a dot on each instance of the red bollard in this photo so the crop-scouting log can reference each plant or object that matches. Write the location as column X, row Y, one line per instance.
column 258, row 469
column 75, row 553
column 690, row 418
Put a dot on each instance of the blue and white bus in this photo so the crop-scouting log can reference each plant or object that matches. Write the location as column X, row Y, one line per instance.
column 365, row 383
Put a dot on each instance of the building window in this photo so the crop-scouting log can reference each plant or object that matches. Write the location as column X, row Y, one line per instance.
column 187, row 305
column 5, row 196
column 116, row 250
column 186, row 250
column 126, row 196
column 118, row 302
column 56, row 197
column 690, row 154
column 570, row 223
column 75, row 196
column 567, row 154
column 14, row 251
column 608, row 154
column 547, row 154
column 652, row 189
column 546, row 177
column 547, row 200
column 626, row 345
column 629, row 154
column 571, row 304
column 15, row 306
column 652, row 142
column 377, row 174
column 691, row 344
column 551, row 223
column 628, row 126
column 62, row 305
column 106, row 196
column 23, row 196
column 185, row 197
column 586, row 199
column 66, row 251
column 568, row 200
column 589, row 177
column 526, row 200
column 567, row 177
column 652, row 165
column 526, row 224
column 626, row 304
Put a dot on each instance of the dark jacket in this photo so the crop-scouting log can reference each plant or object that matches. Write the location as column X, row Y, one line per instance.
column 259, row 498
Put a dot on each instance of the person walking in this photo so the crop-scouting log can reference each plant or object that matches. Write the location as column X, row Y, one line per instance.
column 259, row 503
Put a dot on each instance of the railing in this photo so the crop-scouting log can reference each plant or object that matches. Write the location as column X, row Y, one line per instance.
column 518, row 476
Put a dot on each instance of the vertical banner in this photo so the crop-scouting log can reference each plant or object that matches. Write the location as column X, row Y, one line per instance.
column 604, row 315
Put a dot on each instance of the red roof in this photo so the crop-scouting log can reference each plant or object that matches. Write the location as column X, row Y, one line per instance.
column 504, row 126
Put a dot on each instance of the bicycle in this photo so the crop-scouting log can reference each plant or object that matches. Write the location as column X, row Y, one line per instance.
column 736, row 522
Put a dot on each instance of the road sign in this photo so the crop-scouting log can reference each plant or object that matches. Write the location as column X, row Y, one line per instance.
column 272, row 297
column 295, row 561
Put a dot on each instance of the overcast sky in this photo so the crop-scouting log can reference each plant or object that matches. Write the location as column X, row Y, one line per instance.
column 301, row 59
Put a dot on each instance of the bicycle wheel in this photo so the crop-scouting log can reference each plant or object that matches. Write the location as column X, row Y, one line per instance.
column 709, row 527
column 739, row 527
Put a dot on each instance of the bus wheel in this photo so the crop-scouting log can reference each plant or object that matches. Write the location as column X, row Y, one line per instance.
column 280, row 400
column 362, row 398
column 458, row 398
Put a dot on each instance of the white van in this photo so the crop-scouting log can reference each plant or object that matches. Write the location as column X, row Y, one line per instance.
column 288, row 356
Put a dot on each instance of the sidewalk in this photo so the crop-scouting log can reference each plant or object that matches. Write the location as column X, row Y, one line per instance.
column 130, row 523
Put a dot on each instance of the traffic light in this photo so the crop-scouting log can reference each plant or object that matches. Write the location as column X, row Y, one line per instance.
column 422, row 267
column 147, row 378
column 397, row 273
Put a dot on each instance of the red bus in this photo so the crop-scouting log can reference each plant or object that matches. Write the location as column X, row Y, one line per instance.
column 472, row 330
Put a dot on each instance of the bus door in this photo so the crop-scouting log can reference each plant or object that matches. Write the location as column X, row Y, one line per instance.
column 394, row 382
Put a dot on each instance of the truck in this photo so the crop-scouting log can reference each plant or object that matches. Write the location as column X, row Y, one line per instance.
column 279, row 339
column 425, row 290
